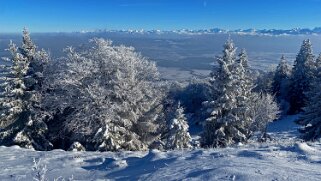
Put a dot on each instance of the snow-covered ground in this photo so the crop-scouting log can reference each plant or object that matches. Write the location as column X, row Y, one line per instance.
column 284, row 158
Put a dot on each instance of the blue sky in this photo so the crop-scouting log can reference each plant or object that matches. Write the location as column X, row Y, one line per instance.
column 76, row 15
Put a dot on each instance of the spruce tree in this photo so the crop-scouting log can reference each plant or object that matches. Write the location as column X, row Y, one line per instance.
column 13, row 86
column 21, row 115
column 311, row 118
column 237, row 111
column 303, row 73
column 243, row 92
column 280, row 85
column 178, row 135
column 224, row 126
column 282, row 74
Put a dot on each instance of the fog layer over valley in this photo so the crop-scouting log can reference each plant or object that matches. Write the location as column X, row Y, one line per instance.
column 179, row 57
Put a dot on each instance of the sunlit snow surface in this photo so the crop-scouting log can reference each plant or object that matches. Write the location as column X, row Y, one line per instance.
column 284, row 158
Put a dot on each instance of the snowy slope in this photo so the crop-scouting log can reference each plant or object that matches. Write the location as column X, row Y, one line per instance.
column 284, row 158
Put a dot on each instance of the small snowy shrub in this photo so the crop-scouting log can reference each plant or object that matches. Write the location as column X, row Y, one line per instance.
column 40, row 171
column 76, row 146
column 262, row 110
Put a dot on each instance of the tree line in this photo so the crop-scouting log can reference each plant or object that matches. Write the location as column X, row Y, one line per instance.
column 109, row 98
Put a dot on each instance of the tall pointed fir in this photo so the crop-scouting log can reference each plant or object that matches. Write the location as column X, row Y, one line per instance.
column 243, row 87
column 280, row 85
column 225, row 126
column 21, row 115
column 303, row 73
column 311, row 118
column 178, row 135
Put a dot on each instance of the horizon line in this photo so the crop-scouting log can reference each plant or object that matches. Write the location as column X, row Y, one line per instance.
column 163, row 30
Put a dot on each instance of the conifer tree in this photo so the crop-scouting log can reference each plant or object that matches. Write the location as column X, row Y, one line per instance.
column 281, row 81
column 303, row 73
column 178, row 135
column 243, row 92
column 224, row 126
column 237, row 111
column 311, row 118
column 21, row 115
column 13, row 86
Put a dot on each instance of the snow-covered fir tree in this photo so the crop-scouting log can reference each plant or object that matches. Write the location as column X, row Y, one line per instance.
column 226, row 121
column 238, row 111
column 21, row 115
column 243, row 92
column 302, row 74
column 178, row 135
column 280, row 85
column 106, row 97
column 311, row 118
column 13, row 86
column 281, row 77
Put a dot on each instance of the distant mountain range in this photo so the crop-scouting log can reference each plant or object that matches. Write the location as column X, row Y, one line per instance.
column 294, row 31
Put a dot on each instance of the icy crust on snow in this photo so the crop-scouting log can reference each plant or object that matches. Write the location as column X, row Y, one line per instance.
column 285, row 157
